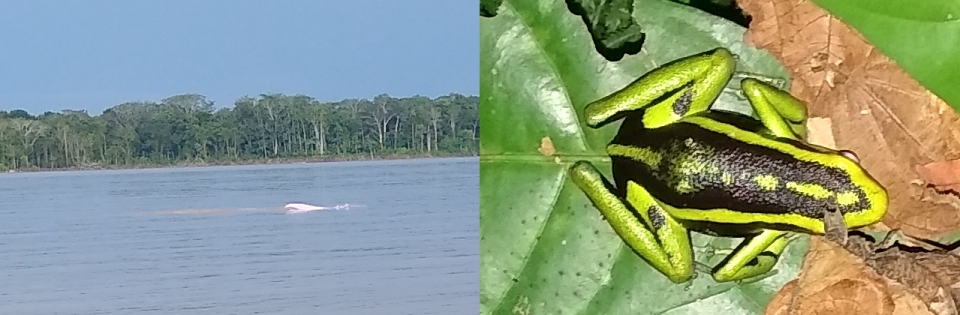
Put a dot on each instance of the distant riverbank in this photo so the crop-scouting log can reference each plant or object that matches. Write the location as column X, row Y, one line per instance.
column 288, row 160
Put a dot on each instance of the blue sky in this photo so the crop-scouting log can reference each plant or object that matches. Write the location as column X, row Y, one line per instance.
column 95, row 54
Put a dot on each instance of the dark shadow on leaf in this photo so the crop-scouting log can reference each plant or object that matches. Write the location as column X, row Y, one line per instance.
column 726, row 9
column 611, row 26
column 489, row 8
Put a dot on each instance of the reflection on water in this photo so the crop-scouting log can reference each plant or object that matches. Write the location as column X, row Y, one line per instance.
column 217, row 240
column 279, row 210
column 190, row 211
column 272, row 210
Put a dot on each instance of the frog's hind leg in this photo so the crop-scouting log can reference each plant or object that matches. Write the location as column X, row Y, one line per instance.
column 780, row 112
column 755, row 256
column 681, row 88
column 666, row 248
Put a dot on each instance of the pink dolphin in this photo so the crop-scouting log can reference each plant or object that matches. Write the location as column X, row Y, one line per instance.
column 302, row 207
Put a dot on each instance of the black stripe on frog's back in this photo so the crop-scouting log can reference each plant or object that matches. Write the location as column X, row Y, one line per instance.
column 688, row 166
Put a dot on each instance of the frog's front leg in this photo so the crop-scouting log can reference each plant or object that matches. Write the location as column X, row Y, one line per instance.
column 684, row 87
column 658, row 238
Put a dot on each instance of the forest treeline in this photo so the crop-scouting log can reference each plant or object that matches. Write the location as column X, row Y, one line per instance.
column 189, row 129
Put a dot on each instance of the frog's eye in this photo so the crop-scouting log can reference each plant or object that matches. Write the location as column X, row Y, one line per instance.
column 850, row 155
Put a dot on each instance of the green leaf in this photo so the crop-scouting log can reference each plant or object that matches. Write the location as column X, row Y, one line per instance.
column 544, row 248
column 923, row 37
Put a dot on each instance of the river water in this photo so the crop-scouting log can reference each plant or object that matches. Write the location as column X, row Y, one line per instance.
column 216, row 240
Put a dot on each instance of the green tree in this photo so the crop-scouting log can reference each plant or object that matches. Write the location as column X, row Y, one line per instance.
column 188, row 128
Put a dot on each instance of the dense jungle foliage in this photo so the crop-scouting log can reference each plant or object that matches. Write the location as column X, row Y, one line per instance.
column 188, row 129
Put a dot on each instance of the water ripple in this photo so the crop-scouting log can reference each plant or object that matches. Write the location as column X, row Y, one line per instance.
column 215, row 239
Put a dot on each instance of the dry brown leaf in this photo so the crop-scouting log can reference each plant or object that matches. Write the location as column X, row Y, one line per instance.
column 820, row 132
column 845, row 296
column 903, row 268
column 834, row 281
column 943, row 175
column 876, row 109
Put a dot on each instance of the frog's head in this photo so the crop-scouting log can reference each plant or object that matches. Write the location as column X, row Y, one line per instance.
column 850, row 163
column 870, row 204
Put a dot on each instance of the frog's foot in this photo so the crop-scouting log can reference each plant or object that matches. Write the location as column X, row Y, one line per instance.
column 755, row 256
column 738, row 76
column 781, row 113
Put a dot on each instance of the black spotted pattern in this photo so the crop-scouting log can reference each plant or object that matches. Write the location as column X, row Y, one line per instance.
column 733, row 157
column 657, row 220
column 682, row 105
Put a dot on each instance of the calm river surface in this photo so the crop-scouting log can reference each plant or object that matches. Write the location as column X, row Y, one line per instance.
column 216, row 240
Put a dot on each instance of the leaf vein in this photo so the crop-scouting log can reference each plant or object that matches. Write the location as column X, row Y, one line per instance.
column 526, row 260
column 580, row 135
